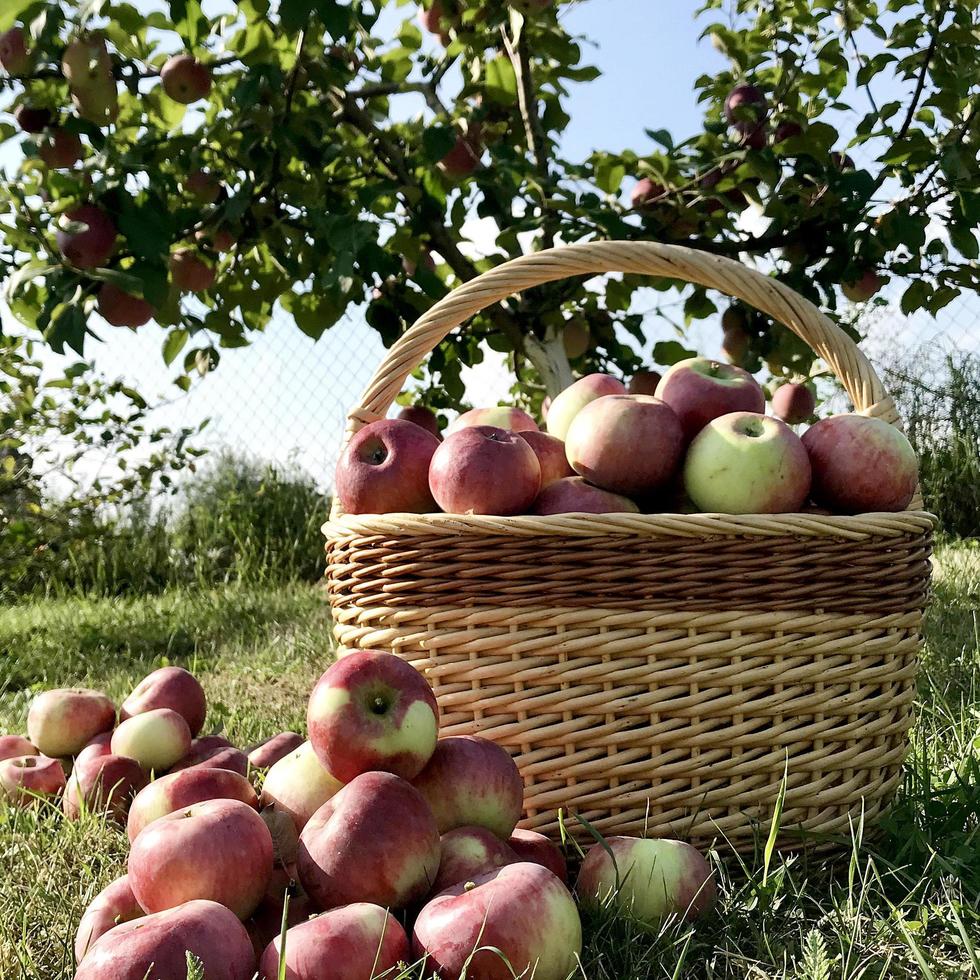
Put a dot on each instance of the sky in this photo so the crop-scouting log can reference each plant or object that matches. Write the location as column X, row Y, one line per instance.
column 286, row 398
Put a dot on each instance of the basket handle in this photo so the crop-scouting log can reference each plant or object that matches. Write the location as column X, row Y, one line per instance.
column 770, row 296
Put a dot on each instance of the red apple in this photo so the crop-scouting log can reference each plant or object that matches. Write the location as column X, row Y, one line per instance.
column 60, row 149
column 219, row 850
column 628, row 444
column 265, row 923
column 467, row 853
column 746, row 111
column 122, row 309
column 735, row 346
column 699, row 390
column 472, row 782
column 385, row 469
column 484, row 470
column 156, row 946
column 169, row 687
column 573, row 495
column 531, row 846
column 863, row 288
column 860, row 465
column 351, row 943
column 644, row 383
column 156, row 739
column 14, row 746
column 33, row 119
column 268, row 752
column 60, row 722
column 203, row 187
column 205, row 756
column 298, row 785
column 190, row 273
column 645, row 192
column 787, row 129
column 15, row 59
column 464, row 157
column 375, row 841
column 185, row 79
column 746, row 463
column 183, row 789
column 372, row 712
column 551, row 456
column 92, row 242
column 576, row 339
column 793, row 403
column 575, row 397
column 431, row 19
column 423, row 417
column 655, row 879
column 116, row 903
column 220, row 239
column 501, row 417
column 99, row 746
column 517, row 921
column 106, row 783
column 27, row 778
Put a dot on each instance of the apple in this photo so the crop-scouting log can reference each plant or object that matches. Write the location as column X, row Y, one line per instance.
column 203, row 187
column 372, row 712
column 576, row 339
column 468, row 852
column 116, row 903
column 27, row 778
column 185, row 79
column 33, row 119
column 268, row 752
column 628, row 444
column 656, row 879
column 60, row 722
column 87, row 239
column 190, row 273
column 156, row 739
column 793, row 403
column 644, row 383
column 375, row 841
column 298, row 785
column 746, row 111
column 96, row 748
column 735, row 346
column 787, row 129
column 517, row 921
column 746, row 463
column 183, row 789
column 860, row 464
column 645, row 192
column 566, row 405
column 431, row 19
column 699, row 390
column 104, row 783
column 169, row 687
column 423, row 417
column 863, row 288
column 220, row 240
column 156, row 946
column 14, row 746
column 122, row 309
column 573, row 495
column 219, row 850
column 464, row 157
column 484, row 470
column 472, row 782
column 61, row 149
column 358, row 941
column 535, row 848
column 551, row 456
column 501, row 417
column 385, row 469
column 15, row 59
column 87, row 67
column 265, row 923
column 205, row 755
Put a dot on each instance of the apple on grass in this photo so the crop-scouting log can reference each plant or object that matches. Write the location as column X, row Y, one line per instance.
column 472, row 782
column 573, row 495
column 185, row 79
column 699, row 390
column 649, row 879
column 98, row 746
column 372, row 712
column 385, row 469
column 268, row 752
column 793, row 403
column 531, row 846
column 627, row 444
column 484, row 470
column 103, row 783
column 566, row 405
column 169, row 687
column 375, row 841
column 156, row 739
column 517, row 921
column 860, row 464
column 299, row 785
column 745, row 463
column 183, row 789
column 468, row 852
column 14, row 746
column 358, row 941
column 501, row 417
column 116, row 903
column 156, row 946
column 232, row 759
column 60, row 722
column 219, row 850
column 265, row 923
column 28, row 779
column 551, row 456
column 86, row 236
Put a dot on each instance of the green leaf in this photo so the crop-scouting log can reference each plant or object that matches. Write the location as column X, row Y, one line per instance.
column 964, row 241
column 609, row 175
column 195, row 968
column 668, row 352
column 777, row 816
column 12, row 9
column 437, row 141
column 501, row 81
column 174, row 344
column 915, row 297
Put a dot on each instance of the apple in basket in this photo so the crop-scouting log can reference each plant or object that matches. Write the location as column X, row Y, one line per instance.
column 573, row 495
column 551, row 456
column 501, row 417
column 568, row 403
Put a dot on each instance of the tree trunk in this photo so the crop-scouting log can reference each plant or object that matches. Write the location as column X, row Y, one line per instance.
column 551, row 361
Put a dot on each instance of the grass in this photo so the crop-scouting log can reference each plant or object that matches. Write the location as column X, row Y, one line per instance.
column 901, row 905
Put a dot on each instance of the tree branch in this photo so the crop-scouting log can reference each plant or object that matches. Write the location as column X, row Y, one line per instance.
column 920, row 84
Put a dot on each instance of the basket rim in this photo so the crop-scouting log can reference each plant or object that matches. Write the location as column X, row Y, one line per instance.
column 855, row 527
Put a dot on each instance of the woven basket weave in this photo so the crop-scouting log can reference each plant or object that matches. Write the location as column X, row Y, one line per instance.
column 656, row 674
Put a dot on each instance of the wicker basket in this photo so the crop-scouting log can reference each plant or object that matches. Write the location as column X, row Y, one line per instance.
column 656, row 674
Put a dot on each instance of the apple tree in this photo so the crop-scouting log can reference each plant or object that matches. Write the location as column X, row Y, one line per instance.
column 203, row 163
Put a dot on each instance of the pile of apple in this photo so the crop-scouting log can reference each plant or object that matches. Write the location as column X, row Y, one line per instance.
column 697, row 441
column 372, row 830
